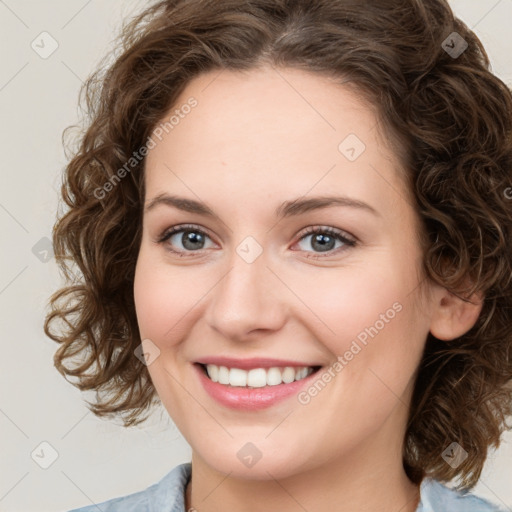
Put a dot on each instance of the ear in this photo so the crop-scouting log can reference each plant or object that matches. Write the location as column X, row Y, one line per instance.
column 452, row 317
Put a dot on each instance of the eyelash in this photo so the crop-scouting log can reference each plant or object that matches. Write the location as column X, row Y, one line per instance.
column 334, row 233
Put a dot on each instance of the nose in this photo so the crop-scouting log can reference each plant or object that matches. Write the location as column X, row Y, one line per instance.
column 248, row 300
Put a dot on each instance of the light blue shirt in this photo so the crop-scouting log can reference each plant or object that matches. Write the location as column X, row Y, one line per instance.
column 168, row 495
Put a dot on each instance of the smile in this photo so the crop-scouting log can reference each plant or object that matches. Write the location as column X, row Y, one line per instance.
column 257, row 377
column 253, row 389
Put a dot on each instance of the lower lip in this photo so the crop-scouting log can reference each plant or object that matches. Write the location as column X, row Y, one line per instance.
column 250, row 399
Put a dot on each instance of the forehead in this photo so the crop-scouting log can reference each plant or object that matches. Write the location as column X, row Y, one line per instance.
column 269, row 133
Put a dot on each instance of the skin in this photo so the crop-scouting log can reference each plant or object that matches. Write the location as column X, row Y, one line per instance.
column 255, row 140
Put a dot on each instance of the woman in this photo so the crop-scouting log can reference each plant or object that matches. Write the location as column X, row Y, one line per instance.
column 293, row 225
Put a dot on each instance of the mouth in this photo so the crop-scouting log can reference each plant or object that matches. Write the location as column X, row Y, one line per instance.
column 256, row 377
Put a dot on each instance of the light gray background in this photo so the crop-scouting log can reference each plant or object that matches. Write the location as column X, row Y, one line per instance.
column 97, row 460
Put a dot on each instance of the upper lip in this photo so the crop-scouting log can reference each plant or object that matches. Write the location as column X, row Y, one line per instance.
column 253, row 362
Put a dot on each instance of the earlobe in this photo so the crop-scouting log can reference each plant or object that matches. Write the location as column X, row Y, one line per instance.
column 453, row 317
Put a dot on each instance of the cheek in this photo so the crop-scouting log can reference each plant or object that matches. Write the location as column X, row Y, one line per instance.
column 158, row 303
column 167, row 298
column 343, row 302
column 367, row 316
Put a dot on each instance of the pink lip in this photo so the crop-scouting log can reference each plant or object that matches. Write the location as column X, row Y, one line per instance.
column 250, row 399
column 254, row 362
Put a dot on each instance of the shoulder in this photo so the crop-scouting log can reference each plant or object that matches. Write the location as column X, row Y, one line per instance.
column 166, row 494
column 436, row 497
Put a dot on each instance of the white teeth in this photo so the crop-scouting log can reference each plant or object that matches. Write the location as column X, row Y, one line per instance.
column 288, row 374
column 213, row 372
column 237, row 377
column 223, row 375
column 257, row 377
column 273, row 376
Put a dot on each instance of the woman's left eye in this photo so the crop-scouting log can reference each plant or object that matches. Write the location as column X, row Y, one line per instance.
column 325, row 238
column 193, row 239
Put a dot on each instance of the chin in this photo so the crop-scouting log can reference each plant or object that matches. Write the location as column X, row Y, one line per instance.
column 247, row 461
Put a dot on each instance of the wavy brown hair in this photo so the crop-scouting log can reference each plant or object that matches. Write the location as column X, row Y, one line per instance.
column 449, row 119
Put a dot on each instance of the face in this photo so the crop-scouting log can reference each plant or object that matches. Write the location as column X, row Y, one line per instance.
column 251, row 280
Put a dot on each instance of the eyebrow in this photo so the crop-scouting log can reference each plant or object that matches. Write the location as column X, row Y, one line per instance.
column 287, row 209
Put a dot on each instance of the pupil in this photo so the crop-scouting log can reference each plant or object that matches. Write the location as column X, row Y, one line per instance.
column 193, row 238
column 324, row 245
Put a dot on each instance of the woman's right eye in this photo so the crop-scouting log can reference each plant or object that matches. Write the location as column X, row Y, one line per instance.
column 191, row 238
